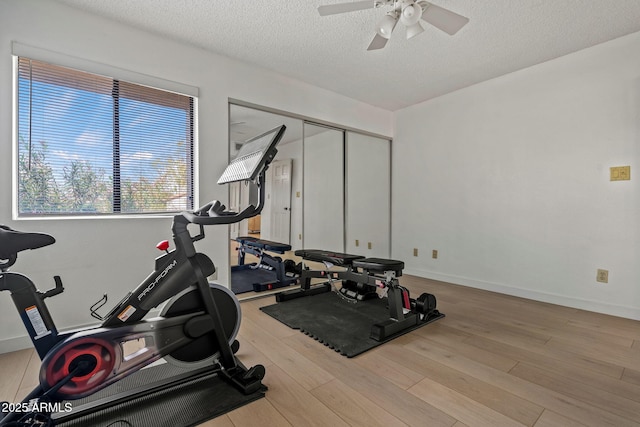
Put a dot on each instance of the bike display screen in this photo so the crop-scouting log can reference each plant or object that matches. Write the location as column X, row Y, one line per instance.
column 253, row 157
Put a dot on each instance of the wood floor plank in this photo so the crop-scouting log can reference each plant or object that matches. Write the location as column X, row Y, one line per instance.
column 221, row 421
column 440, row 331
column 296, row 404
column 563, row 359
column 497, row 331
column 573, row 333
column 401, row 374
column 488, row 356
column 261, row 412
column 608, row 324
column 519, row 316
column 250, row 310
column 248, row 354
column 615, row 355
column 31, row 377
column 551, row 419
column 486, row 394
column 459, row 406
column 631, row 376
column 12, row 370
column 543, row 353
column 579, row 372
column 398, row 402
column 566, row 405
column 307, row 373
column 567, row 386
column 352, row 407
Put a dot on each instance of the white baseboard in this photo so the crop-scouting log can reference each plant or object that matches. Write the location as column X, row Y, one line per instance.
column 7, row 345
column 579, row 303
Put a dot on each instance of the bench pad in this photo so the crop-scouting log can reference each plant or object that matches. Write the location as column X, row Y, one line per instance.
column 379, row 265
column 267, row 245
column 334, row 258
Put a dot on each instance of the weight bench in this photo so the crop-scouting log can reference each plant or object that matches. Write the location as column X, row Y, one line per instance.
column 255, row 246
column 269, row 272
column 361, row 278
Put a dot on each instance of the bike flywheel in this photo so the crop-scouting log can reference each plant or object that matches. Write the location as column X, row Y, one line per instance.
column 202, row 351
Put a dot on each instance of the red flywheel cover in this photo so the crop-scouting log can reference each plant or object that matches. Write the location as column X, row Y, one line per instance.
column 99, row 358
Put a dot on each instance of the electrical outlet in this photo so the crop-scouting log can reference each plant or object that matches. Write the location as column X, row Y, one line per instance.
column 369, row 245
column 299, row 236
column 602, row 276
column 434, row 254
column 297, row 194
column 357, row 242
column 415, row 251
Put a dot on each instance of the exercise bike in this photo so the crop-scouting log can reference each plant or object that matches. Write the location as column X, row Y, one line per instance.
column 197, row 326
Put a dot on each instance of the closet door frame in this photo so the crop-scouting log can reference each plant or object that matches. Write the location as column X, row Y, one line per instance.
column 337, row 126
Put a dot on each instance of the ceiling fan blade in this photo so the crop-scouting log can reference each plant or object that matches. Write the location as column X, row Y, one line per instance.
column 378, row 42
column 332, row 9
column 443, row 19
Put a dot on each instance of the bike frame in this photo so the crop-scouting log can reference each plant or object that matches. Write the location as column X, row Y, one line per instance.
column 180, row 270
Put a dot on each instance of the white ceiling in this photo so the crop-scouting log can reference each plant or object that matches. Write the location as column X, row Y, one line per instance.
column 330, row 52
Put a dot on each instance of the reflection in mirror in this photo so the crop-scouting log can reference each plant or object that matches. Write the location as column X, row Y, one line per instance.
column 323, row 216
column 281, row 219
column 284, row 176
column 307, row 205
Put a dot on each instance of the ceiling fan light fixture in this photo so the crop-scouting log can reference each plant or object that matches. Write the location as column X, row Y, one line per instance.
column 411, row 14
column 414, row 30
column 386, row 25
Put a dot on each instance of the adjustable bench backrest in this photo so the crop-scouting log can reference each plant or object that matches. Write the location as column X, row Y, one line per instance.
column 371, row 265
column 380, row 265
column 335, row 258
column 265, row 245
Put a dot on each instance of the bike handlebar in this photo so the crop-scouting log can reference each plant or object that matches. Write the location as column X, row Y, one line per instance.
column 215, row 213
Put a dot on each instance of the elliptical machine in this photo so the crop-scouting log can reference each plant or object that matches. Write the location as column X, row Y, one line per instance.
column 196, row 328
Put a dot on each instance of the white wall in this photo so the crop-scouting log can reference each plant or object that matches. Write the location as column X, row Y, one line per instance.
column 368, row 201
column 509, row 180
column 323, row 199
column 113, row 255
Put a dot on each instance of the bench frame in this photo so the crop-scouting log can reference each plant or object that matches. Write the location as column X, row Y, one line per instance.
column 360, row 285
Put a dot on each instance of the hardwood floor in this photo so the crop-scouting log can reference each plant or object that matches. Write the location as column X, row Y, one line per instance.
column 494, row 360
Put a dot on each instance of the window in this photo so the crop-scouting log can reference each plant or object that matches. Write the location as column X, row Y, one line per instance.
column 90, row 145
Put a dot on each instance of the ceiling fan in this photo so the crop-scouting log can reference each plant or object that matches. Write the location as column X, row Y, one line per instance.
column 409, row 12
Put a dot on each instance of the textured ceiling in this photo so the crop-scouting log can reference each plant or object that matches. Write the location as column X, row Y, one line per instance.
column 330, row 52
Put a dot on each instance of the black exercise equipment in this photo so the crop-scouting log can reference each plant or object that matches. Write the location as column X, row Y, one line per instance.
column 270, row 272
column 361, row 279
column 196, row 328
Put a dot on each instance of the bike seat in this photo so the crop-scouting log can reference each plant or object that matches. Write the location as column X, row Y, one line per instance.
column 13, row 241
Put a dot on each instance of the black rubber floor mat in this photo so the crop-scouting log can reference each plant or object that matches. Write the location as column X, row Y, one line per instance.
column 189, row 404
column 339, row 324
column 242, row 280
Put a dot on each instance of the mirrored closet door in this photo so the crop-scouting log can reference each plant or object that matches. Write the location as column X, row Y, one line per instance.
column 323, row 169
column 328, row 188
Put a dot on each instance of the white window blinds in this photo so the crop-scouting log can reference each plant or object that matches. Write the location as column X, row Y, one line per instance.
column 89, row 144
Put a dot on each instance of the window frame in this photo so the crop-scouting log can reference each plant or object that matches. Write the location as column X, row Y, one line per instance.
column 130, row 77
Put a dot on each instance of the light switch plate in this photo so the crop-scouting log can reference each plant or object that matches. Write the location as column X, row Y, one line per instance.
column 620, row 173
